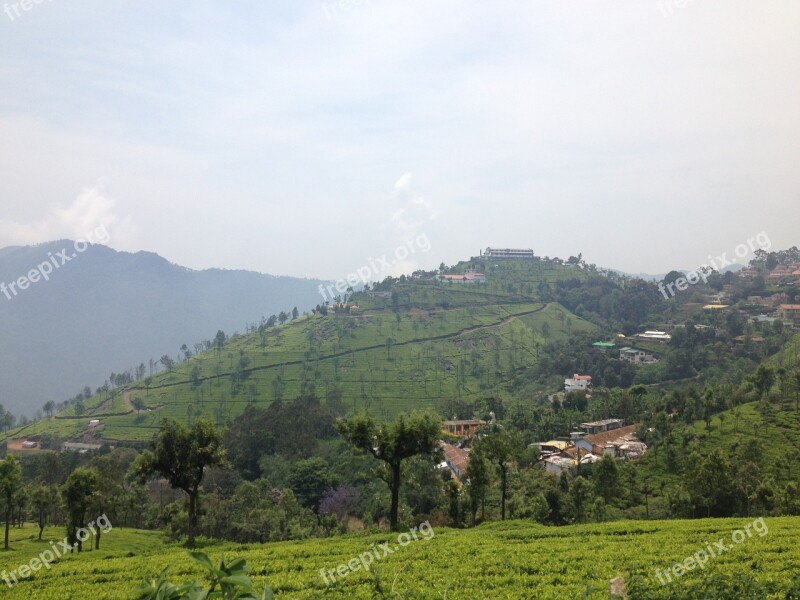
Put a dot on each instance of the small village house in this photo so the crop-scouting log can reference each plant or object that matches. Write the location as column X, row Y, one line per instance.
column 578, row 383
column 463, row 428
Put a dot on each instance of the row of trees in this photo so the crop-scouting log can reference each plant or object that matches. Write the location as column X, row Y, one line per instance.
column 85, row 492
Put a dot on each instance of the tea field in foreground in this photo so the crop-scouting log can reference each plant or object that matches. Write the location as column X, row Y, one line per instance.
column 515, row 559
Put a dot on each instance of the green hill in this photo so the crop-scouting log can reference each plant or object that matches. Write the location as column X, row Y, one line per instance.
column 407, row 344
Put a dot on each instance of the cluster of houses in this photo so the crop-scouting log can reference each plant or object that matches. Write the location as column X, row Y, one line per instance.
column 778, row 303
column 780, row 274
column 596, row 439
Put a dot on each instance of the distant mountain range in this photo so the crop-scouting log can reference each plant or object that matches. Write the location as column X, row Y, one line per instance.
column 70, row 318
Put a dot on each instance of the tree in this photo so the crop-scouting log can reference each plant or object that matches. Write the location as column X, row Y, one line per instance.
column 10, row 481
column 219, row 340
column 392, row 443
column 499, row 447
column 77, row 493
column 580, row 492
column 43, row 500
column 295, row 313
column 49, row 407
column 137, row 404
column 763, row 380
column 180, row 455
column 797, row 391
column 109, row 489
column 310, row 478
column 477, row 483
column 606, row 478
column 282, row 317
column 168, row 362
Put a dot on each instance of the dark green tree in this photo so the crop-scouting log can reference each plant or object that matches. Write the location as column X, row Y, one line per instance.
column 10, row 482
column 607, row 478
column 392, row 443
column 77, row 493
column 500, row 446
column 181, row 455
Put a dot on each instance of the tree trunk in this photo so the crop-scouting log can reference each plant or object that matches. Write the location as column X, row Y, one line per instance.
column 395, row 495
column 97, row 539
column 8, row 520
column 192, row 516
column 503, row 496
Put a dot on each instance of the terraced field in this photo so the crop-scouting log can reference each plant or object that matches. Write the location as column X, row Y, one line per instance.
column 375, row 358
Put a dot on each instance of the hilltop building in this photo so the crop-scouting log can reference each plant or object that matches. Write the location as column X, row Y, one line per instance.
column 525, row 253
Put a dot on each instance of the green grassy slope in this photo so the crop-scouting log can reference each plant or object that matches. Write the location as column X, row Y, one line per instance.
column 512, row 560
column 409, row 351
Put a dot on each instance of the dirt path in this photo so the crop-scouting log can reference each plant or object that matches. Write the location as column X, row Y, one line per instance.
column 126, row 398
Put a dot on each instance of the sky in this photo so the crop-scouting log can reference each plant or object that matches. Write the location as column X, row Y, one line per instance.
column 317, row 139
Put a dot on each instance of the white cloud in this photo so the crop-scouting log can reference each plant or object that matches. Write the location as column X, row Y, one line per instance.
column 92, row 209
column 415, row 211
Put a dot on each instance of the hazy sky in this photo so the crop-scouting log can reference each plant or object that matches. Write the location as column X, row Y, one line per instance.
column 311, row 138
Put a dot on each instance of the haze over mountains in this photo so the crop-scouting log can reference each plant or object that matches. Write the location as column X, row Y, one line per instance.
column 104, row 311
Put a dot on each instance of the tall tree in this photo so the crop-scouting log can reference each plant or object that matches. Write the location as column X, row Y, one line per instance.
column 180, row 455
column 392, row 443
column 219, row 340
column 10, row 482
column 110, row 489
column 763, row 380
column 168, row 362
column 43, row 500
column 607, row 478
column 499, row 446
column 477, row 482
column 77, row 493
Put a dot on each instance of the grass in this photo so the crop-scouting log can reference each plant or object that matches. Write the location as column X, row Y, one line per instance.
column 515, row 559
column 449, row 341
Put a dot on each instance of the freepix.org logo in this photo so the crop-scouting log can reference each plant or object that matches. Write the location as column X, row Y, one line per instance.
column 43, row 270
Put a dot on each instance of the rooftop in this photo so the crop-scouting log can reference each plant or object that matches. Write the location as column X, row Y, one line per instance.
column 602, row 423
